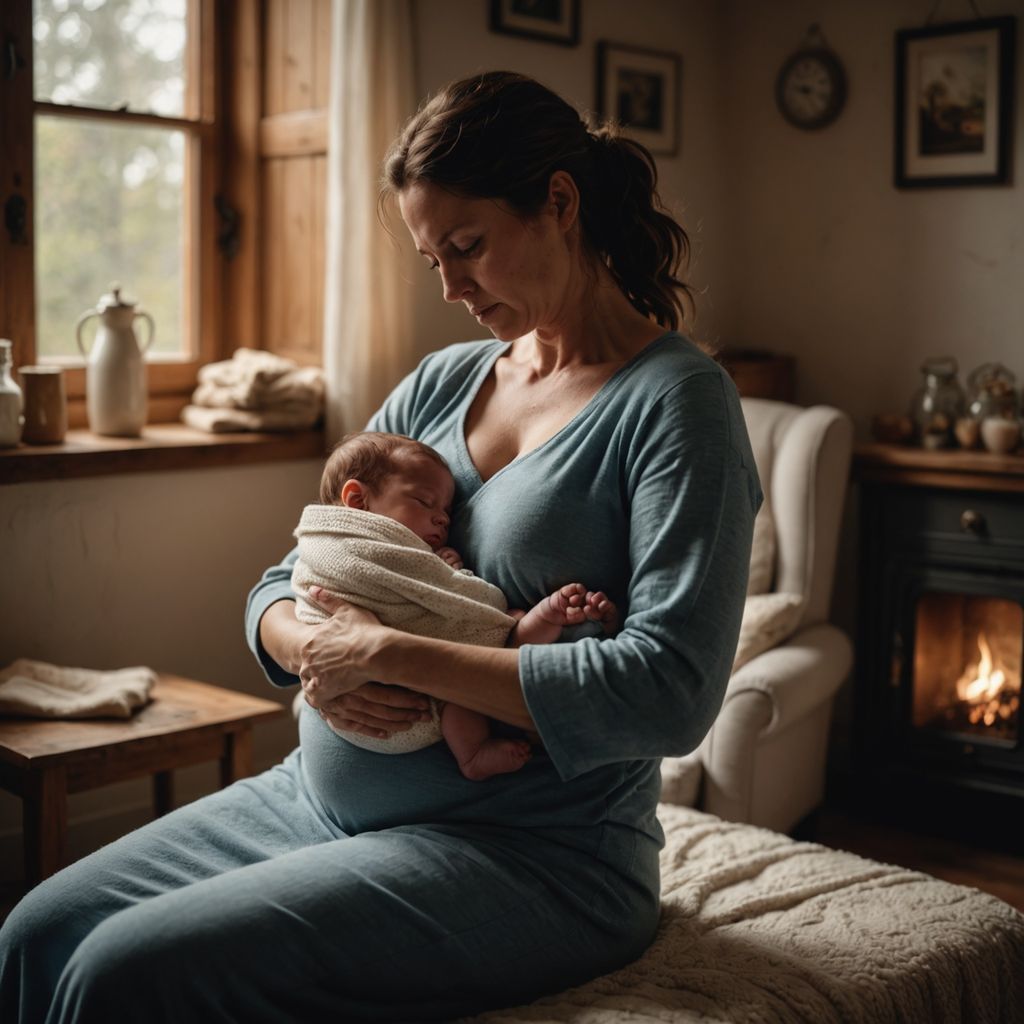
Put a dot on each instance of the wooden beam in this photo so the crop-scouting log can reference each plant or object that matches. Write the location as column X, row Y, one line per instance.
column 17, row 183
column 241, row 324
column 301, row 133
column 133, row 117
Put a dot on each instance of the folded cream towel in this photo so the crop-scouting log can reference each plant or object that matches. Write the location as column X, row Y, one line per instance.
column 298, row 389
column 253, row 379
column 256, row 390
column 39, row 690
column 254, row 365
column 222, row 421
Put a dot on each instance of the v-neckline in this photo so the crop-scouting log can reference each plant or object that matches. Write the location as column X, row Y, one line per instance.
column 485, row 371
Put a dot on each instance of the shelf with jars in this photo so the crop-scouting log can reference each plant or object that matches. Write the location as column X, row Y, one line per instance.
column 943, row 415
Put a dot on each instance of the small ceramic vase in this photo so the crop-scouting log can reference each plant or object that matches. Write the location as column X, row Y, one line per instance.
column 1000, row 435
column 10, row 400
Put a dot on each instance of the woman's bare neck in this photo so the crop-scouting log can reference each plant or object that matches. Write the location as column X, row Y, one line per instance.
column 603, row 329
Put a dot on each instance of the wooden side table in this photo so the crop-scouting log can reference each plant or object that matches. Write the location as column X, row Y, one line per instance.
column 186, row 723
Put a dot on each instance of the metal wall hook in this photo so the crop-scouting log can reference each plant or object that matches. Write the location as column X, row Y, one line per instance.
column 13, row 62
column 814, row 39
column 228, row 238
column 16, row 219
column 938, row 4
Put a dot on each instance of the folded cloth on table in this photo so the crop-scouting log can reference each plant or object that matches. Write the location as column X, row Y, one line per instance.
column 220, row 421
column 252, row 379
column 40, row 690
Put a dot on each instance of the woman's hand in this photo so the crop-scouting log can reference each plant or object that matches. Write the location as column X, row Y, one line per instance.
column 375, row 710
column 335, row 674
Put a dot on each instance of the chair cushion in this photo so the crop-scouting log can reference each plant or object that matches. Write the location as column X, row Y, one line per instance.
column 768, row 619
column 762, row 552
column 680, row 779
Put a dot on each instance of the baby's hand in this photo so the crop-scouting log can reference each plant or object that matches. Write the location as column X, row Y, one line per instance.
column 451, row 556
column 566, row 606
column 570, row 605
column 598, row 607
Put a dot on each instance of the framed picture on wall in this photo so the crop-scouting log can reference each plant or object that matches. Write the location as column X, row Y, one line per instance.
column 954, row 98
column 554, row 21
column 640, row 89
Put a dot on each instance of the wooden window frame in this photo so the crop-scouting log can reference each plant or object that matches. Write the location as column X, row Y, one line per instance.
column 170, row 381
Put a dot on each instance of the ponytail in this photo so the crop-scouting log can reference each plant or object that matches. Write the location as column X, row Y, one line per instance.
column 626, row 223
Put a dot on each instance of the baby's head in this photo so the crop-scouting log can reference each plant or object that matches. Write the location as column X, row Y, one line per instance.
column 393, row 476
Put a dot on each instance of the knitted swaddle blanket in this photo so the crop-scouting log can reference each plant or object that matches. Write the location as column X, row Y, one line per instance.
column 383, row 566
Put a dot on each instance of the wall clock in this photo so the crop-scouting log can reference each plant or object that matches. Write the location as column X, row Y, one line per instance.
column 811, row 87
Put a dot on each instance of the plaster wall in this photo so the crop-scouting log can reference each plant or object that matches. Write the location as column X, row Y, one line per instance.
column 146, row 569
column 826, row 258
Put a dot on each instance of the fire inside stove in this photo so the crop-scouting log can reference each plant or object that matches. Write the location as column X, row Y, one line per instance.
column 967, row 665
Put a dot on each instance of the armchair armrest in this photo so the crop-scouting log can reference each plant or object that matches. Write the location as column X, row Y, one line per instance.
column 794, row 677
column 764, row 759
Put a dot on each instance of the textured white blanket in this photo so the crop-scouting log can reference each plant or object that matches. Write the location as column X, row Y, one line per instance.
column 757, row 928
column 381, row 565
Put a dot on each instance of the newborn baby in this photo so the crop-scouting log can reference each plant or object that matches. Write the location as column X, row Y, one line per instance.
column 378, row 539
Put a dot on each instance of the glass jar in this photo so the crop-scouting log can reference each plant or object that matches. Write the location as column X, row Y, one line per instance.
column 991, row 391
column 10, row 400
column 939, row 403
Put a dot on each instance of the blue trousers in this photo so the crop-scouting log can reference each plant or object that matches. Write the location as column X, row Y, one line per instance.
column 253, row 905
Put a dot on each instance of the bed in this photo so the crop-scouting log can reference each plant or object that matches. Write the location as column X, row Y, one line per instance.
column 757, row 927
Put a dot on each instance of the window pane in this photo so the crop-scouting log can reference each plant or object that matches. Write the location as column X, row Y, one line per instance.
column 111, row 54
column 109, row 207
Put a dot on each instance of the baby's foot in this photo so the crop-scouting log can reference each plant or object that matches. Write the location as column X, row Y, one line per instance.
column 496, row 757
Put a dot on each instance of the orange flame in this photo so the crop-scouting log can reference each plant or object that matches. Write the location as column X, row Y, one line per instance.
column 984, row 686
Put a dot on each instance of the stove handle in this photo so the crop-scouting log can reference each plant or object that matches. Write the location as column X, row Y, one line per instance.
column 972, row 522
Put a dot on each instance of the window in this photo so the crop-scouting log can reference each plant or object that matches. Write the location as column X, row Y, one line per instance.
column 109, row 152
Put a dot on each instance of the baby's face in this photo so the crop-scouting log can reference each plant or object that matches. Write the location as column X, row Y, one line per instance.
column 419, row 497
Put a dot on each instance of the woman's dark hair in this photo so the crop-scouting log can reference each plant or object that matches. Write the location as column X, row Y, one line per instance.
column 501, row 135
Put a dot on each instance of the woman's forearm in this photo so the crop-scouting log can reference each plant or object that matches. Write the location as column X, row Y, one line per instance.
column 283, row 635
column 484, row 679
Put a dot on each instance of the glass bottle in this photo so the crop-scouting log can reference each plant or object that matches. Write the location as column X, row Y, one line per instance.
column 10, row 400
column 991, row 391
column 939, row 403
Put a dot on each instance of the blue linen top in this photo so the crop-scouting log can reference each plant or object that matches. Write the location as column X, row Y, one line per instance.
column 649, row 493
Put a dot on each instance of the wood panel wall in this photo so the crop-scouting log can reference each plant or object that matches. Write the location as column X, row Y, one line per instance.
column 277, row 172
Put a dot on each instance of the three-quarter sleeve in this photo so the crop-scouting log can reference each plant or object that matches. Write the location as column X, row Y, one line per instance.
column 655, row 688
column 274, row 585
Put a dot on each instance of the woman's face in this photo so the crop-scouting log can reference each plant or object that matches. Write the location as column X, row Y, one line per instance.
column 512, row 274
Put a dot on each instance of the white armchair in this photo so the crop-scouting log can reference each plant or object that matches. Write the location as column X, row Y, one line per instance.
column 763, row 761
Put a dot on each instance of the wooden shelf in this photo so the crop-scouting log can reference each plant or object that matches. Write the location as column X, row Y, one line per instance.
column 958, row 469
column 163, row 446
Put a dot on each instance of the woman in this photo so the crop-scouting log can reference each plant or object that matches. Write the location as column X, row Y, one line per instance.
column 590, row 442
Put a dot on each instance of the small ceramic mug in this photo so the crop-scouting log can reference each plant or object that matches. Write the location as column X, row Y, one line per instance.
column 46, row 406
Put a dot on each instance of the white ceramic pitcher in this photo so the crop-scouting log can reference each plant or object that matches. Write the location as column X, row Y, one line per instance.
column 115, row 374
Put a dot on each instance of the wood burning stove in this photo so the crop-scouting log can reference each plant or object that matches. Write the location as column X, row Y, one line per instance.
column 966, row 669
column 940, row 626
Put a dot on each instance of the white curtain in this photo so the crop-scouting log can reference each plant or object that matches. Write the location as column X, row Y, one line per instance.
column 368, row 337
